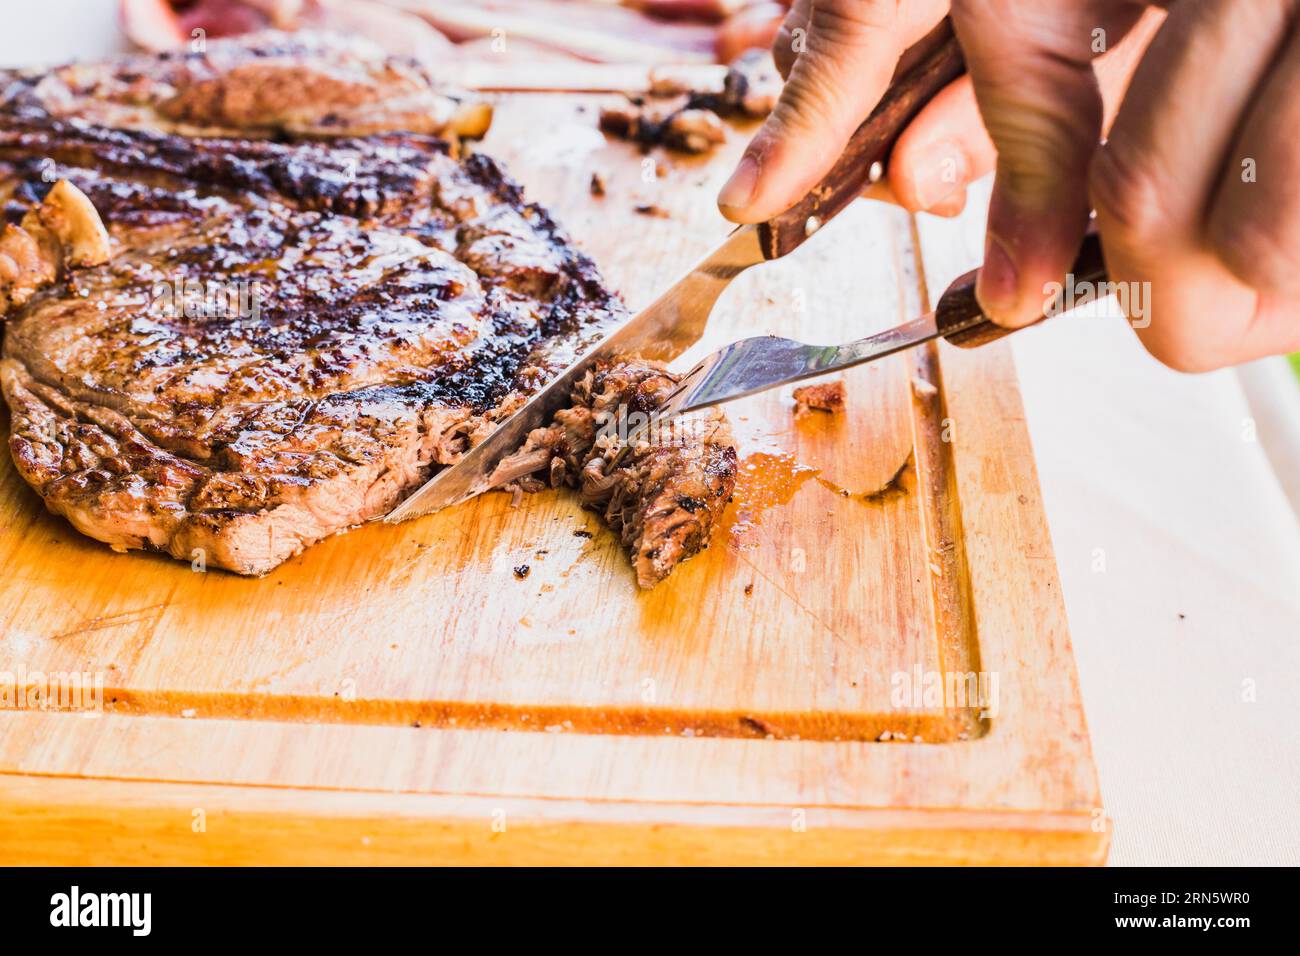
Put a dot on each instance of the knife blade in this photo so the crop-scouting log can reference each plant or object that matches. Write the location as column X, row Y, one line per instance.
column 663, row 330
column 678, row 318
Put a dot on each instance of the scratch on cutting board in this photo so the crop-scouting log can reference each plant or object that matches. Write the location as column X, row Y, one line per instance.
column 103, row 622
column 794, row 599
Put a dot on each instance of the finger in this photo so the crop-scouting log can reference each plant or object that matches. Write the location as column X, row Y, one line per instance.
column 791, row 37
column 942, row 151
column 1152, row 182
column 1254, row 224
column 950, row 206
column 1115, row 67
column 947, row 147
column 1033, row 78
column 852, row 46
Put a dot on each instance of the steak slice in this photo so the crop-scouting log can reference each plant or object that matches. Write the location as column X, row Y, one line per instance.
column 289, row 335
column 264, row 84
column 662, row 490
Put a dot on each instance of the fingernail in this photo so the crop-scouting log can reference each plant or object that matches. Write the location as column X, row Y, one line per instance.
column 739, row 189
column 950, row 205
column 940, row 172
column 998, row 288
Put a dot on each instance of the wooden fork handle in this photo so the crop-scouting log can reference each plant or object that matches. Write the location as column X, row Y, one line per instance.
column 961, row 321
column 870, row 144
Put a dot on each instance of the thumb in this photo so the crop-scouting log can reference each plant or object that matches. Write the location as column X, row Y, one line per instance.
column 850, row 50
column 1031, row 65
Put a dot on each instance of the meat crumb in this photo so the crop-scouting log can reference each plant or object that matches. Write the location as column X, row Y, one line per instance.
column 689, row 120
column 650, row 209
column 922, row 388
column 823, row 397
column 597, row 184
column 582, row 534
column 683, row 128
column 521, row 572
column 749, row 589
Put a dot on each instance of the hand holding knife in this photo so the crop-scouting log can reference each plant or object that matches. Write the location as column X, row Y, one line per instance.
column 677, row 319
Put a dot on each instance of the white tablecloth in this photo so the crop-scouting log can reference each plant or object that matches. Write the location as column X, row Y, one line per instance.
column 1179, row 559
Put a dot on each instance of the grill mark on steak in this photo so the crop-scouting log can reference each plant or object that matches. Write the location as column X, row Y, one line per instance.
column 403, row 302
column 355, row 177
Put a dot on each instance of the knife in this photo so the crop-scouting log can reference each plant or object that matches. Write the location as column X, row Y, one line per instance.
column 677, row 319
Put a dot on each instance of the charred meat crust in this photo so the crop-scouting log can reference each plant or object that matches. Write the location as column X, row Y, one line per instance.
column 379, row 305
column 352, row 176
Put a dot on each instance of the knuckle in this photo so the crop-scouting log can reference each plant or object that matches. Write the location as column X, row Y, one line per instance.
column 811, row 106
column 850, row 17
column 1128, row 197
column 1038, row 155
column 1259, row 249
column 1044, row 120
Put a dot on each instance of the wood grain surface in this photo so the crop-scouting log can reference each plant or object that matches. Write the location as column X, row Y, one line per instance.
column 412, row 680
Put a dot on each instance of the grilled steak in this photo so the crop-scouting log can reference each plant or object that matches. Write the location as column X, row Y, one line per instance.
column 290, row 334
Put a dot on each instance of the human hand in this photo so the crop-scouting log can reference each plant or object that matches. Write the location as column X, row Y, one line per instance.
column 1197, row 189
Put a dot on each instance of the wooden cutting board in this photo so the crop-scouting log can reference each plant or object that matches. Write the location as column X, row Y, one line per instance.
column 412, row 694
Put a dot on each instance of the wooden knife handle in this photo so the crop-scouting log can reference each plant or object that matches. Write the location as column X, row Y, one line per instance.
column 961, row 321
column 871, row 144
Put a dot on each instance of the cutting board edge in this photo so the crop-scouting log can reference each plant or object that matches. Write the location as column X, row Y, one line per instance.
column 52, row 821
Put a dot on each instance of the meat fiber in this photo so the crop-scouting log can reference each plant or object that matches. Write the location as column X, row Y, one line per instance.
column 661, row 484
